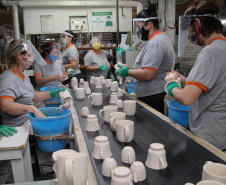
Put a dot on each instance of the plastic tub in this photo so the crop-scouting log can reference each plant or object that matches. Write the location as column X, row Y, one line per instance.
column 55, row 124
column 130, row 87
column 178, row 113
column 51, row 102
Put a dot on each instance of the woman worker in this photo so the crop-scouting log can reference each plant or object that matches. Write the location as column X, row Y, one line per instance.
column 155, row 59
column 96, row 61
column 16, row 90
column 70, row 55
column 205, row 86
column 50, row 74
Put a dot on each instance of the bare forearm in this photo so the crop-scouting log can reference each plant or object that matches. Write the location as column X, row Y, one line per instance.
column 40, row 96
column 92, row 68
column 17, row 108
column 71, row 65
column 140, row 75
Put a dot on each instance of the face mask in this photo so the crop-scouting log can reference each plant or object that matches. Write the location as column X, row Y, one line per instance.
column 28, row 63
column 145, row 34
column 96, row 45
column 195, row 39
column 52, row 58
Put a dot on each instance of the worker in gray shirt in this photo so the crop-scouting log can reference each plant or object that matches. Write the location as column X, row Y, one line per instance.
column 16, row 90
column 154, row 60
column 205, row 86
column 96, row 61
column 53, row 73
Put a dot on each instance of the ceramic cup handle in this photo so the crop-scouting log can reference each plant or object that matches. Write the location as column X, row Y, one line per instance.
column 90, row 99
column 101, row 114
column 135, row 177
column 101, row 153
column 97, row 126
column 126, row 129
column 130, row 160
column 111, row 171
column 112, row 123
column 161, row 162
column 69, row 171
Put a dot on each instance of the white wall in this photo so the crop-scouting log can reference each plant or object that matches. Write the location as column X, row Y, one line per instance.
column 32, row 23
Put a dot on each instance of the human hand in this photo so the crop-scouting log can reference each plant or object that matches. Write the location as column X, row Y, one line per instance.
column 71, row 72
column 182, row 78
column 38, row 113
column 56, row 93
column 112, row 77
column 103, row 68
column 7, row 131
column 123, row 72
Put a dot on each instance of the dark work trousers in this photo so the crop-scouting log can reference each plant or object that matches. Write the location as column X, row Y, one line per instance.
column 68, row 81
column 155, row 101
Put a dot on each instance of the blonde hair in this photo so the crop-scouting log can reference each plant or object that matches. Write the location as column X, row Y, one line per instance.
column 12, row 53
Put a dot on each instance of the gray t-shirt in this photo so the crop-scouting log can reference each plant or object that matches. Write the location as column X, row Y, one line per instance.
column 71, row 53
column 94, row 59
column 158, row 54
column 50, row 69
column 207, row 116
column 21, row 90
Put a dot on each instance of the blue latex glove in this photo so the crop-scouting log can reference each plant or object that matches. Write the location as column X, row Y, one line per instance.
column 56, row 93
column 123, row 72
column 112, row 77
column 7, row 131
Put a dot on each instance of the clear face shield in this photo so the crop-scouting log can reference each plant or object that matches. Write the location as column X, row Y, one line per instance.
column 64, row 39
column 54, row 54
column 140, row 32
column 33, row 54
column 187, row 36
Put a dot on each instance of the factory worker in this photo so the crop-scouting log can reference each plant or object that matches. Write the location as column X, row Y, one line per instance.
column 16, row 90
column 154, row 60
column 70, row 55
column 52, row 73
column 205, row 86
column 96, row 61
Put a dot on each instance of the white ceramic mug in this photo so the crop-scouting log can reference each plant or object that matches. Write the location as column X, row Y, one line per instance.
column 101, row 148
column 92, row 123
column 121, row 176
column 113, row 98
column 138, row 171
column 98, row 84
column 128, row 155
column 214, row 171
column 107, row 111
column 119, row 103
column 156, row 157
column 96, row 99
column 65, row 96
column 120, row 93
column 124, row 130
column 206, row 182
column 88, row 90
column 129, row 107
column 116, row 116
column 108, row 82
column 108, row 166
column 80, row 93
column 76, row 169
column 74, row 87
column 74, row 82
column 86, row 84
column 114, row 86
column 85, row 111
column 81, row 81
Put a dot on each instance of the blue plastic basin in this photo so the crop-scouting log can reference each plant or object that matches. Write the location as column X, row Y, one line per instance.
column 55, row 124
column 130, row 87
column 51, row 102
column 178, row 113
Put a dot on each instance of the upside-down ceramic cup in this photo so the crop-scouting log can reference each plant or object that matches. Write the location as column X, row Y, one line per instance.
column 80, row 93
column 128, row 155
column 85, row 111
column 129, row 107
column 101, row 149
column 121, row 176
column 92, row 123
column 108, row 166
column 114, row 86
column 156, row 157
column 138, row 171
column 108, row 82
column 113, row 98
column 206, row 182
column 124, row 130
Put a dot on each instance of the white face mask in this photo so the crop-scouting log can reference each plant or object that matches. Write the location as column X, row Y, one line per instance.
column 28, row 63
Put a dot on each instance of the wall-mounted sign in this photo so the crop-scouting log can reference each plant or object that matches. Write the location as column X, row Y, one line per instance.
column 78, row 22
column 46, row 23
column 102, row 19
